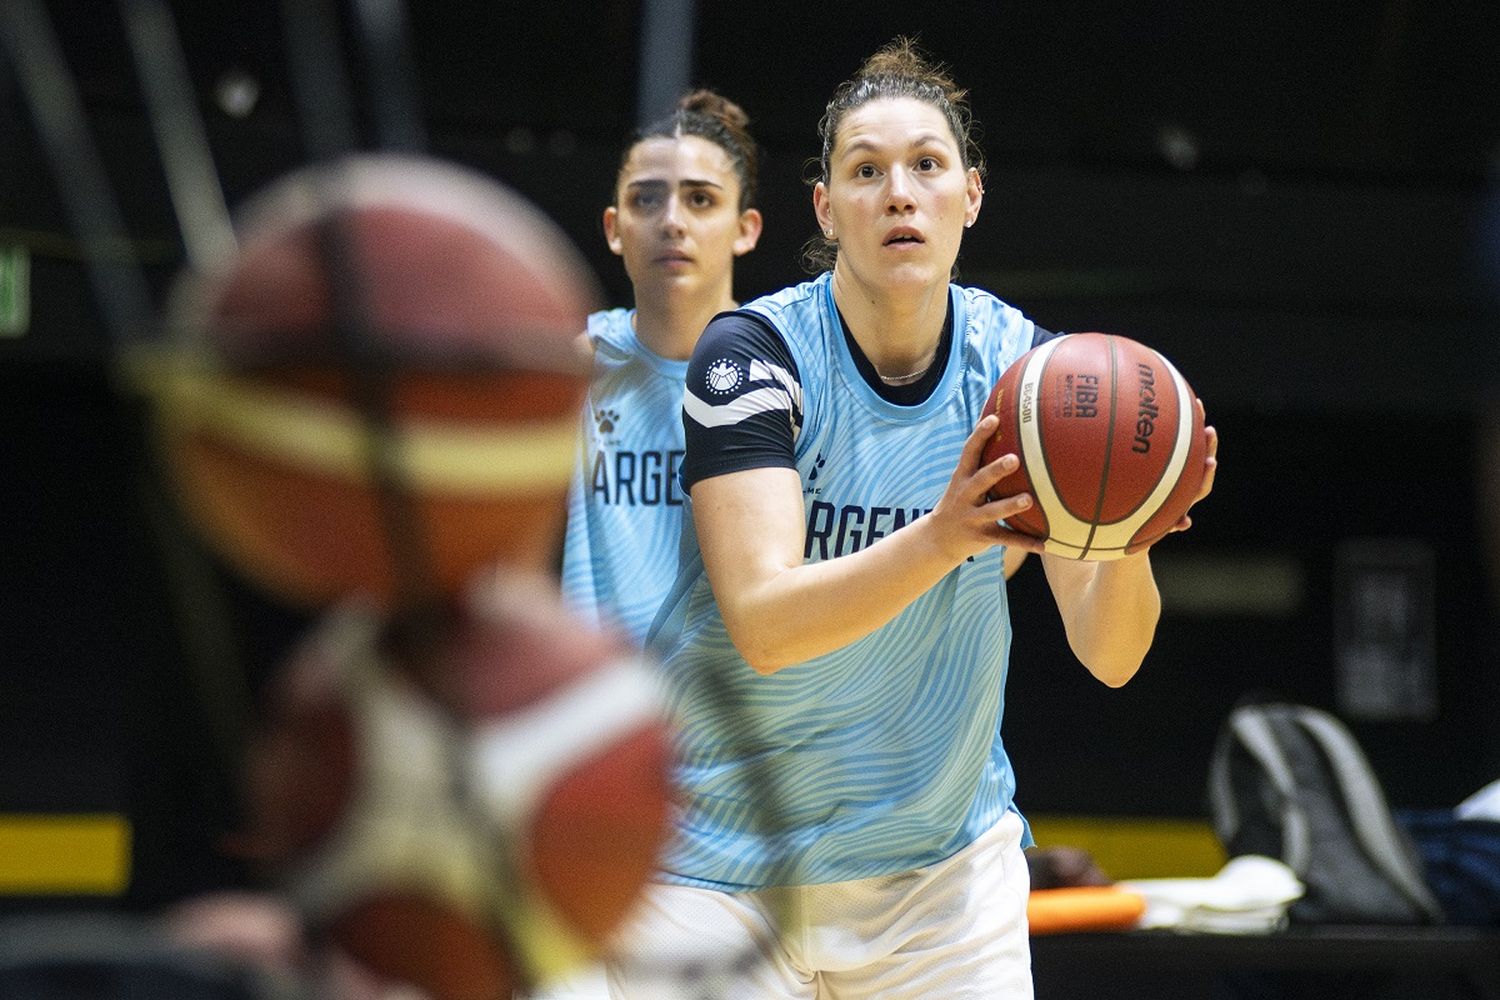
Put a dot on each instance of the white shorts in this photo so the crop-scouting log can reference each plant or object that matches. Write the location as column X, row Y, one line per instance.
column 587, row 983
column 956, row 930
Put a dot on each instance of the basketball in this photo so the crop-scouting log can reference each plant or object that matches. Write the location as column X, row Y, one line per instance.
column 378, row 392
column 568, row 744
column 472, row 822
column 1110, row 441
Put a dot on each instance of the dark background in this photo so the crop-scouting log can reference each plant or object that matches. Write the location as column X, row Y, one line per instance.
column 1296, row 202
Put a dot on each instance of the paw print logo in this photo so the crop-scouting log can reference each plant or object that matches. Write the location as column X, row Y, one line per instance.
column 605, row 420
column 817, row 467
column 723, row 376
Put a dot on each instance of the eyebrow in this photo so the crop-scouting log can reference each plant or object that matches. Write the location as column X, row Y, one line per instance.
column 689, row 182
column 916, row 141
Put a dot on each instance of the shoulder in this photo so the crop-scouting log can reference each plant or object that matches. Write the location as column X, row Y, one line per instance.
column 993, row 321
column 610, row 328
column 801, row 313
column 742, row 328
column 790, row 300
column 986, row 311
column 735, row 347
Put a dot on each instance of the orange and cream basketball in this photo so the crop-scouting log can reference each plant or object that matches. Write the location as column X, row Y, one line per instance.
column 474, row 815
column 1110, row 440
column 388, row 360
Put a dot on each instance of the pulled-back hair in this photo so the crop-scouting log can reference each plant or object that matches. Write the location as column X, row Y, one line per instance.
column 898, row 69
column 717, row 119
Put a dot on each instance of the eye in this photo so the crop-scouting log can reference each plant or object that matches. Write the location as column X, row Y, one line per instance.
column 701, row 199
column 928, row 163
column 865, row 171
column 646, row 201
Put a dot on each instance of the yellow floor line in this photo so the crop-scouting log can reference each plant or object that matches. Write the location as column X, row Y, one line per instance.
column 1128, row 847
column 82, row 854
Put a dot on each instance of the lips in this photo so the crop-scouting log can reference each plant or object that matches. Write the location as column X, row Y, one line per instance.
column 903, row 235
column 673, row 257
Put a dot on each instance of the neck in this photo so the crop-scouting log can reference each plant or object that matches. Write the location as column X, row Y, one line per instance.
column 898, row 333
column 670, row 325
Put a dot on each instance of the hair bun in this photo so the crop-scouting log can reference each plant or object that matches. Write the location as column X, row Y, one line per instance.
column 707, row 102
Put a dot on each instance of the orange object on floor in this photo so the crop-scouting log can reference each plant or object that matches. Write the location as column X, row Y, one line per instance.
column 1083, row 908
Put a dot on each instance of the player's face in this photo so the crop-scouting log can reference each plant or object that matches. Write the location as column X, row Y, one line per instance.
column 897, row 195
column 676, row 220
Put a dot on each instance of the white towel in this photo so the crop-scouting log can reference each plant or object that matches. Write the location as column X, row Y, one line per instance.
column 1249, row 895
column 1483, row 804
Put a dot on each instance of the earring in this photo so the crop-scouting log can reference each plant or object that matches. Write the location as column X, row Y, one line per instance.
column 828, row 233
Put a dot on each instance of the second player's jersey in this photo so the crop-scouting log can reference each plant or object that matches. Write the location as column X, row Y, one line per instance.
column 625, row 501
column 884, row 755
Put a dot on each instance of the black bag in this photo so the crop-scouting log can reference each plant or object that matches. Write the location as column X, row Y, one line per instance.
column 1290, row 782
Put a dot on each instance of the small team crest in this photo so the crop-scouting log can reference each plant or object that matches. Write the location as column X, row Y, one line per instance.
column 723, row 376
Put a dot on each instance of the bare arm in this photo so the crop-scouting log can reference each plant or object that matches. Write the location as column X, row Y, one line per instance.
column 780, row 610
column 1110, row 609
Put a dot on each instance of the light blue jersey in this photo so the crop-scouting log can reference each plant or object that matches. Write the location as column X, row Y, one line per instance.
column 625, row 501
column 885, row 755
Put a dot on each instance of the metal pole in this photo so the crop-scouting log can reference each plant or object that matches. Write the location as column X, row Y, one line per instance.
column 666, row 57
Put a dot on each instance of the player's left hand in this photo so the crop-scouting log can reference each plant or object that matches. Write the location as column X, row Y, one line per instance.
column 1210, row 467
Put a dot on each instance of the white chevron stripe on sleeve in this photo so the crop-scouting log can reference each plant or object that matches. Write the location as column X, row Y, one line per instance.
column 762, row 372
column 767, row 400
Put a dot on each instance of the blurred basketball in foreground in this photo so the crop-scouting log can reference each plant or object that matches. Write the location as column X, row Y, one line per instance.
column 474, row 818
column 1110, row 440
column 378, row 392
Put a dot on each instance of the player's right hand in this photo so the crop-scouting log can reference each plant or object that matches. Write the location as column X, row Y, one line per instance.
column 966, row 521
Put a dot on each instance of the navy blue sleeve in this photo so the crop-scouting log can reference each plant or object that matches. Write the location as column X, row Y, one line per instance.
column 1040, row 336
column 742, row 406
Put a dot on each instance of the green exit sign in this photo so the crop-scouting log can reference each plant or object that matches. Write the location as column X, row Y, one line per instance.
column 15, row 290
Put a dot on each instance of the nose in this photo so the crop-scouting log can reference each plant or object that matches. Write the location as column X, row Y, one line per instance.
column 672, row 216
column 898, row 192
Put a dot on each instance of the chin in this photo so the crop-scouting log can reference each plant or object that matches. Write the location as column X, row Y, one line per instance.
column 915, row 277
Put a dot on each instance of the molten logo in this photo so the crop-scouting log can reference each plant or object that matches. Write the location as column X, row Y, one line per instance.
column 1147, row 411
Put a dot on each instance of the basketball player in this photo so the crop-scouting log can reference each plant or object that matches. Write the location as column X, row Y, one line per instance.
column 837, row 637
column 682, row 212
